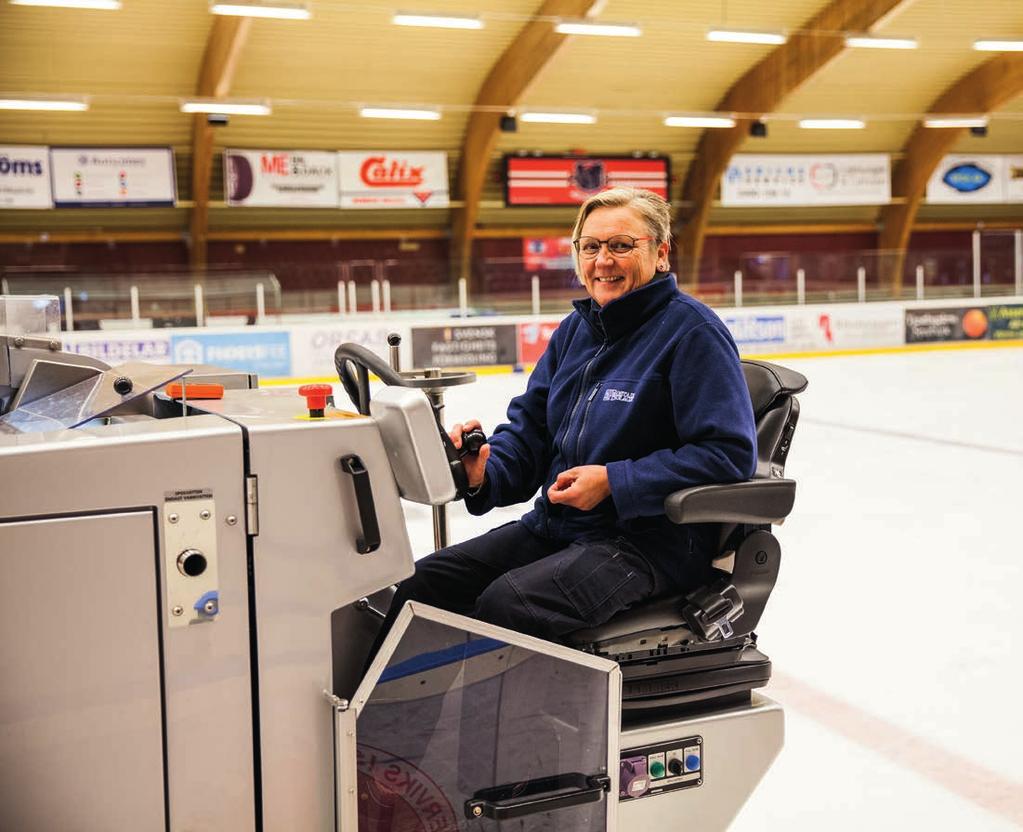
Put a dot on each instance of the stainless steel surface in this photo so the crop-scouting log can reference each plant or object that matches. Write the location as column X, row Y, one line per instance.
column 206, row 668
column 433, row 378
column 80, row 711
column 739, row 745
column 304, row 567
column 186, row 539
column 46, row 377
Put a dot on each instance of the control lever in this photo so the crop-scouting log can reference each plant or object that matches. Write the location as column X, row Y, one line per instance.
column 472, row 441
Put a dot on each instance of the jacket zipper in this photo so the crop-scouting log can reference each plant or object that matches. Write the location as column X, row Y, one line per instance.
column 586, row 412
column 582, row 392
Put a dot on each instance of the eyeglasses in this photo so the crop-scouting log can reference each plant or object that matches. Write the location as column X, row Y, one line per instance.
column 619, row 245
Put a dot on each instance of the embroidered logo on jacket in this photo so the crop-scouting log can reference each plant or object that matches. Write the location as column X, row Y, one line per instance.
column 612, row 395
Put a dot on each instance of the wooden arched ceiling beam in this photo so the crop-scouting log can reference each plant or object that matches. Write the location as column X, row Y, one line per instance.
column 761, row 90
column 987, row 88
column 223, row 49
column 508, row 80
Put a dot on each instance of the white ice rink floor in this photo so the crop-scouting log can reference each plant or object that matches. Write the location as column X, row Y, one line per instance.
column 895, row 623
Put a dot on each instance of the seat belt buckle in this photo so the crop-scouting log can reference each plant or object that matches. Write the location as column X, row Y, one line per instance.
column 711, row 614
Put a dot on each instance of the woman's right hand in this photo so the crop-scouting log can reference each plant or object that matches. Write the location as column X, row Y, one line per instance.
column 475, row 464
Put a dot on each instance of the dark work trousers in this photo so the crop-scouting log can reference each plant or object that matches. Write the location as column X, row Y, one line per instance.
column 516, row 579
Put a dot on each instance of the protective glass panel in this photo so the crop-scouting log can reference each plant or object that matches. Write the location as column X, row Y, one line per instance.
column 455, row 714
column 89, row 399
column 29, row 315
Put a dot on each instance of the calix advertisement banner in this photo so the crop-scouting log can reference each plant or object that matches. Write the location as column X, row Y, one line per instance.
column 281, row 178
column 983, row 178
column 25, row 177
column 392, row 179
column 112, row 177
column 840, row 179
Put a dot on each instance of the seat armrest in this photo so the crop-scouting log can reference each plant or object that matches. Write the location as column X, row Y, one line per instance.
column 755, row 501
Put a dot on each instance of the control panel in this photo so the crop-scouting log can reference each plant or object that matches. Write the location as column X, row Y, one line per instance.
column 190, row 553
column 655, row 769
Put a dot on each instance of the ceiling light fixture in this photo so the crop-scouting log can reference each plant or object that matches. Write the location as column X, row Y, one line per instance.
column 398, row 112
column 439, row 21
column 871, row 42
column 558, row 118
column 956, row 121
column 104, row 5
column 228, row 108
column 699, row 121
column 832, row 123
column 746, row 36
column 280, row 11
column 66, row 103
column 998, row 45
column 586, row 27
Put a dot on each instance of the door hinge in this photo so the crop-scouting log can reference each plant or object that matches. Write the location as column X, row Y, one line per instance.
column 252, row 505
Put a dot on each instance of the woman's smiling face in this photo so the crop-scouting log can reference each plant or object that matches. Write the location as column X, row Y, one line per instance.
column 608, row 276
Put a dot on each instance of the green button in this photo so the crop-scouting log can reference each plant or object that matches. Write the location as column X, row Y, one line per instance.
column 657, row 769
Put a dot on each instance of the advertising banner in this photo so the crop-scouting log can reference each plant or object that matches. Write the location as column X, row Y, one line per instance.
column 985, row 178
column 1005, row 322
column 571, row 180
column 843, row 179
column 262, row 352
column 25, row 177
column 844, row 327
column 313, row 345
column 281, row 178
column 112, row 177
column 755, row 331
column 392, row 179
column 544, row 253
column 534, row 338
column 464, row 346
column 952, row 324
column 115, row 349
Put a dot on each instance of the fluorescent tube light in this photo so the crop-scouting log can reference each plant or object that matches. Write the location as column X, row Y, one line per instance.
column 586, row 27
column 396, row 112
column 558, row 118
column 281, row 11
column 956, row 121
column 104, row 5
column 871, row 42
column 998, row 45
column 832, row 123
column 228, row 108
column 70, row 104
column 746, row 36
column 699, row 121
column 439, row 21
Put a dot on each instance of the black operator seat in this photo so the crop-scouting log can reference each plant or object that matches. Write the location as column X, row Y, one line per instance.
column 700, row 646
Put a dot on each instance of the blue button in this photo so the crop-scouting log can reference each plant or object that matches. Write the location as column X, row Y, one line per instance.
column 693, row 762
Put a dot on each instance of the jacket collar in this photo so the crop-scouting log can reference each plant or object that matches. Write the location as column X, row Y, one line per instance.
column 626, row 314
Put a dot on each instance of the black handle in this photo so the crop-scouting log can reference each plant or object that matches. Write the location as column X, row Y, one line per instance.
column 369, row 541
column 544, row 794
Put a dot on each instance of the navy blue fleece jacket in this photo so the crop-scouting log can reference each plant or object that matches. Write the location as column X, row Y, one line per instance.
column 650, row 386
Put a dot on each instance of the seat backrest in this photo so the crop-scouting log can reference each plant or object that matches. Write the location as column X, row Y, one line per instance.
column 772, row 392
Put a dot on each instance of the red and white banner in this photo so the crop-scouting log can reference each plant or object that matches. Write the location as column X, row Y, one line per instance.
column 571, row 180
column 544, row 253
column 390, row 179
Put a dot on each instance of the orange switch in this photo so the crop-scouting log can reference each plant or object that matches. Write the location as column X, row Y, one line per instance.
column 195, row 391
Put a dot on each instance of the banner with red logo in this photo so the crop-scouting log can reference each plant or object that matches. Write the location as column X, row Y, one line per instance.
column 544, row 253
column 534, row 338
column 571, row 180
column 392, row 179
column 281, row 178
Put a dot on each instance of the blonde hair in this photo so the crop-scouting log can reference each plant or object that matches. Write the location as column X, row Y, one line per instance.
column 653, row 210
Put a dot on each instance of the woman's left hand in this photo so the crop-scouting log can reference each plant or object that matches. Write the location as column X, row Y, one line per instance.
column 582, row 487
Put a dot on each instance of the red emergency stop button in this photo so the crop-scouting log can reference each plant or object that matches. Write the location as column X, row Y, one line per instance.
column 316, row 397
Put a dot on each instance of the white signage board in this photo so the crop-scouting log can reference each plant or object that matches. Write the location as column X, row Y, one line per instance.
column 281, row 178
column 392, row 179
column 977, row 178
column 25, row 177
column 771, row 179
column 112, row 177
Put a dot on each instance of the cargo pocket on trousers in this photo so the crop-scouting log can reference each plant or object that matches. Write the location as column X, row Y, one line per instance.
column 599, row 576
